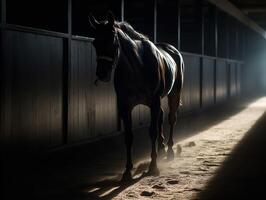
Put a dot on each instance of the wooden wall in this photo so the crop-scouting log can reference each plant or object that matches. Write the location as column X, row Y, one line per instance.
column 31, row 93
column 32, row 90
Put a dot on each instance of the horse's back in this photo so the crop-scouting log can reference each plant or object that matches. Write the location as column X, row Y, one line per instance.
column 161, row 66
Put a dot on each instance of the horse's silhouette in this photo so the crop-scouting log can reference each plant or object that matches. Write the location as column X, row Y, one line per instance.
column 144, row 73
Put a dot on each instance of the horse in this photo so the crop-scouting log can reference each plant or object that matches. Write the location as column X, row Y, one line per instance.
column 144, row 73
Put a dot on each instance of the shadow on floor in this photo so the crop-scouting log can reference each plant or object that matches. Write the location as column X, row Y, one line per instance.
column 243, row 174
column 93, row 170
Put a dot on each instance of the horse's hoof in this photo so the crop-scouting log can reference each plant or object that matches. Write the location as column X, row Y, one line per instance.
column 170, row 154
column 153, row 171
column 161, row 153
column 126, row 176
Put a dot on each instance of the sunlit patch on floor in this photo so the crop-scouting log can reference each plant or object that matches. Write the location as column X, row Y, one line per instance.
column 93, row 189
column 202, row 155
column 108, row 191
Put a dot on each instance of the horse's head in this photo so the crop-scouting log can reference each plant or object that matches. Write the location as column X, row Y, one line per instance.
column 106, row 45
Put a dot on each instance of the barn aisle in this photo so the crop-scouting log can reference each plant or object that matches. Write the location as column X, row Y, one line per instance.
column 222, row 155
column 225, row 161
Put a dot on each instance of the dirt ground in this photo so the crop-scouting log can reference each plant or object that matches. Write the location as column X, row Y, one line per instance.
column 202, row 156
column 223, row 157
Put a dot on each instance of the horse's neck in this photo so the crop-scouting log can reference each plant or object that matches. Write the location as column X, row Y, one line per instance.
column 130, row 56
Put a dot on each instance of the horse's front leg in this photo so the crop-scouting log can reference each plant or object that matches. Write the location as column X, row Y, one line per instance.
column 154, row 130
column 127, row 120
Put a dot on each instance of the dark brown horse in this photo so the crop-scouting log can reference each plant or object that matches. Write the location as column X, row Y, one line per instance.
column 144, row 74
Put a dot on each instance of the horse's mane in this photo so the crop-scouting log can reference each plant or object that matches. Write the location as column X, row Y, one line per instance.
column 130, row 31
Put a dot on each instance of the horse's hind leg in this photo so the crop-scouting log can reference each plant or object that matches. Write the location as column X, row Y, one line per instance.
column 161, row 146
column 173, row 103
column 154, row 130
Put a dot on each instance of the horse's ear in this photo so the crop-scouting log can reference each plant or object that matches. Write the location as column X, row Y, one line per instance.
column 110, row 18
column 93, row 22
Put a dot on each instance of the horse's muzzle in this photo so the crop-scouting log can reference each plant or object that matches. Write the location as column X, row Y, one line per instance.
column 105, row 79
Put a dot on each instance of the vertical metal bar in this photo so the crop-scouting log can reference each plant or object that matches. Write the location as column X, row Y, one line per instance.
column 237, row 53
column 122, row 10
column 228, row 30
column 202, row 27
column 3, row 12
column 216, row 31
column 216, row 54
column 119, row 122
column 202, row 50
column 69, row 17
column 244, row 43
column 155, row 20
column 66, row 69
column 178, row 25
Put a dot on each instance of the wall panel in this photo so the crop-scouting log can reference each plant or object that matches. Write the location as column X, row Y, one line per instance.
column 32, row 67
column 233, row 79
column 207, row 82
column 221, row 80
column 239, row 71
column 191, row 90
column 81, row 98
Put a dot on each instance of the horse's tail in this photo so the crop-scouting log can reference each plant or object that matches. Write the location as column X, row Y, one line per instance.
column 178, row 59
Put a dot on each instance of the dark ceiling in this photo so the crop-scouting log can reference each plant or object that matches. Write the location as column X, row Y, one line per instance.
column 254, row 9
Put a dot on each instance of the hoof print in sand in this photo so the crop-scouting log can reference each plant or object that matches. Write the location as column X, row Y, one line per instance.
column 147, row 193
column 173, row 182
column 190, row 144
column 158, row 187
